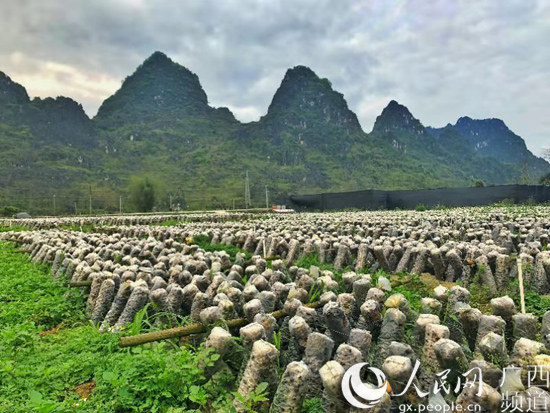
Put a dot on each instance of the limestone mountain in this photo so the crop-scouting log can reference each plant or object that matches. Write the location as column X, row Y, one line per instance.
column 406, row 133
column 458, row 152
column 309, row 136
column 160, row 90
column 492, row 139
column 492, row 136
column 60, row 120
column 306, row 113
column 160, row 123
column 396, row 118
column 303, row 96
column 11, row 93
column 408, row 143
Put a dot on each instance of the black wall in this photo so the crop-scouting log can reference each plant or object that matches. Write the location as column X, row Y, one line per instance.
column 451, row 197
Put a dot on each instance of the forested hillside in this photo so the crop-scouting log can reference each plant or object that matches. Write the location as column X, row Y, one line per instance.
column 160, row 124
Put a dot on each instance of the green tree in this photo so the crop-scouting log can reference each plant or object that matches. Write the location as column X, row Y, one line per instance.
column 479, row 184
column 179, row 200
column 143, row 190
column 9, row 211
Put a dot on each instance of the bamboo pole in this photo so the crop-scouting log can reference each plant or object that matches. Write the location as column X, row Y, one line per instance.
column 86, row 283
column 196, row 328
column 521, row 291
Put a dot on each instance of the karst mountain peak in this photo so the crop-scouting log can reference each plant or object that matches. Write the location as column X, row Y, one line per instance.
column 160, row 122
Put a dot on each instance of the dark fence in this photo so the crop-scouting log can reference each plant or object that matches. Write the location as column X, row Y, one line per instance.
column 451, row 197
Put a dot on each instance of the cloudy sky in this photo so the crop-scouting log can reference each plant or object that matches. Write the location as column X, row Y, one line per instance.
column 442, row 59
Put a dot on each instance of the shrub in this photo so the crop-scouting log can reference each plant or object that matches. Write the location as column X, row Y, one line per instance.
column 9, row 211
column 143, row 191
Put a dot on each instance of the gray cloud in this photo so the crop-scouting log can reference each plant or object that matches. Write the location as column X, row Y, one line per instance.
column 442, row 59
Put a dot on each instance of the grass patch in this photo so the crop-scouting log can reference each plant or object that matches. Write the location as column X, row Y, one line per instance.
column 17, row 228
column 203, row 241
column 28, row 294
column 313, row 405
column 79, row 228
column 53, row 360
column 414, row 298
column 535, row 303
column 480, row 296
column 307, row 261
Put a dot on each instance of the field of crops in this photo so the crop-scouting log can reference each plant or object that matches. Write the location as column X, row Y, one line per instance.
column 266, row 313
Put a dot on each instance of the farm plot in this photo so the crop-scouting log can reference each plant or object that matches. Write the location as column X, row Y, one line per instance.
column 289, row 304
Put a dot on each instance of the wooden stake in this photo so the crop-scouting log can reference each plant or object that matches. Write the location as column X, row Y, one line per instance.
column 196, row 328
column 521, row 292
column 87, row 283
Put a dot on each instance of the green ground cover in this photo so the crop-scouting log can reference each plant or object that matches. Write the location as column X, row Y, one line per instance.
column 53, row 360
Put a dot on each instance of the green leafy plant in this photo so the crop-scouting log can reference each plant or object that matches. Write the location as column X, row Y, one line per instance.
column 315, row 291
column 480, row 295
column 535, row 303
column 48, row 351
column 203, row 241
column 254, row 398
column 277, row 340
column 136, row 326
column 39, row 404
column 313, row 405
column 16, row 228
column 420, row 208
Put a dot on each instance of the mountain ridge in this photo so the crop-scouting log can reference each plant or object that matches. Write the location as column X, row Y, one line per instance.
column 160, row 122
column 158, row 87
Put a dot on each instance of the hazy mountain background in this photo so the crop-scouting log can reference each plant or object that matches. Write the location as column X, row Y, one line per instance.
column 160, row 123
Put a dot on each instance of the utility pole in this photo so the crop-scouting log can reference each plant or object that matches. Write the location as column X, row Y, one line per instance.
column 54, row 204
column 246, row 192
column 75, row 210
column 266, row 198
column 90, row 199
column 120, row 204
column 170, row 202
column 233, row 204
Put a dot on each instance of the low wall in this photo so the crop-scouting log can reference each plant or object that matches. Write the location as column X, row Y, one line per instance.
column 452, row 197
